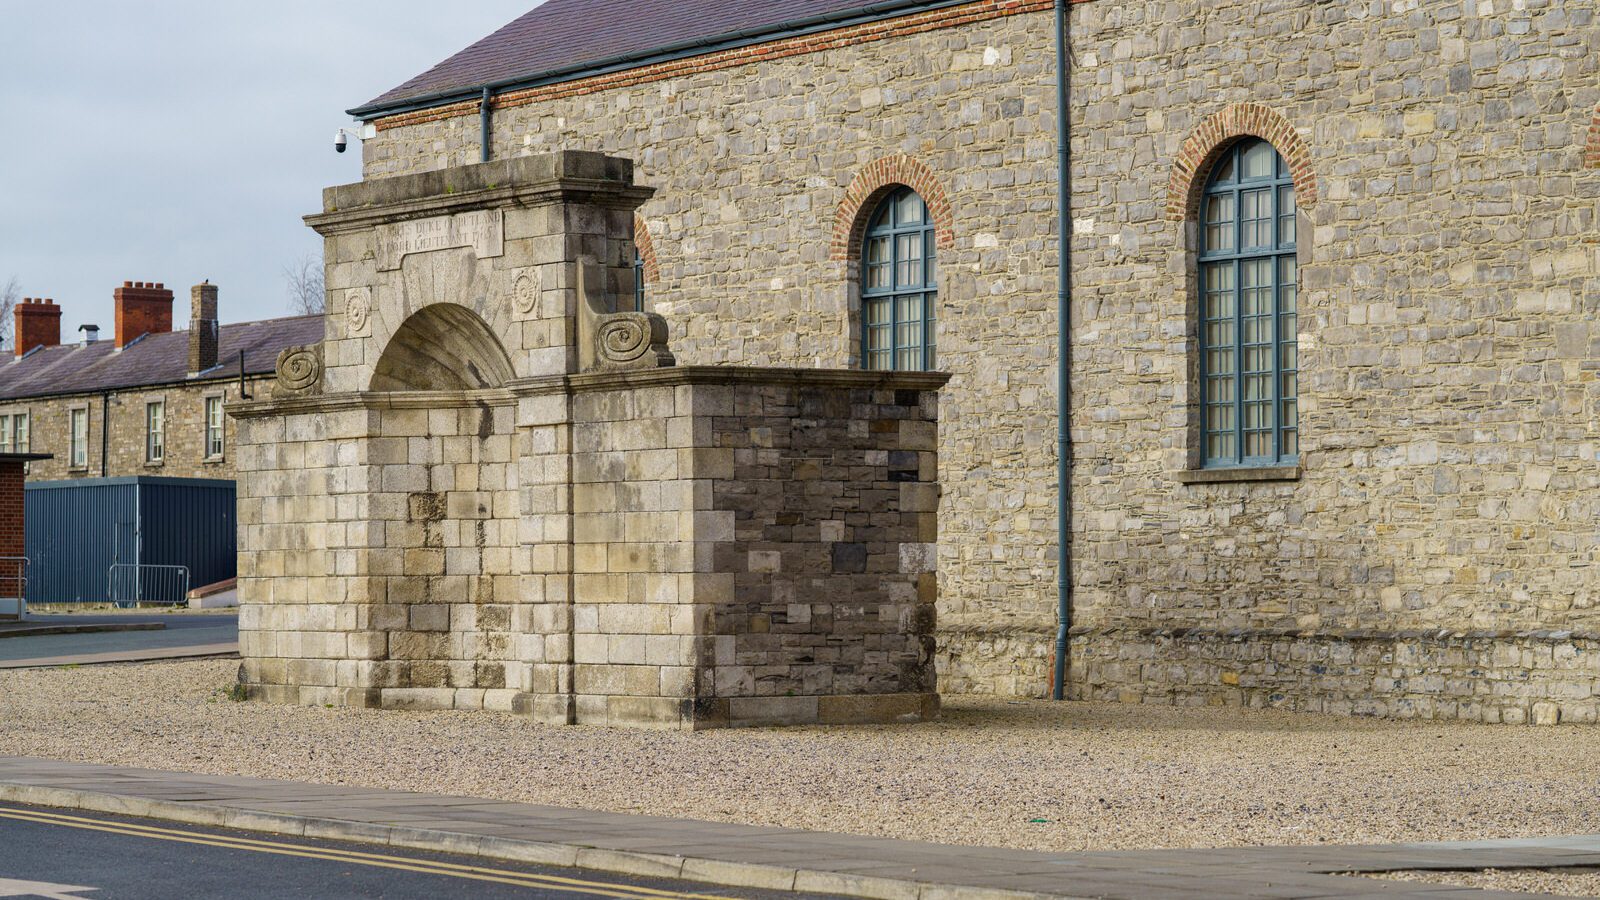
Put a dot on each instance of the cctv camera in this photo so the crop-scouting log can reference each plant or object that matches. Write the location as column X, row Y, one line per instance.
column 339, row 141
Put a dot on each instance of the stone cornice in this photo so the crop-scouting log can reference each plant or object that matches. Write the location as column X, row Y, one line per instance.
column 676, row 375
column 523, row 181
column 587, row 382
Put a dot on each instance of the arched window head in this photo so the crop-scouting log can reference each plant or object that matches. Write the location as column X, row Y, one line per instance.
column 899, row 285
column 1248, row 310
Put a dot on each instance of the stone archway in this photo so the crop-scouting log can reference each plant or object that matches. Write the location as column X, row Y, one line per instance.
column 442, row 347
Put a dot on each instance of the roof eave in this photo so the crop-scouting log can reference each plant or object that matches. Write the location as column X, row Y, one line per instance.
column 884, row 9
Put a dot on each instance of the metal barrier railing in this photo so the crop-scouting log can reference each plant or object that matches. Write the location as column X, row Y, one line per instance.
column 13, row 587
column 128, row 584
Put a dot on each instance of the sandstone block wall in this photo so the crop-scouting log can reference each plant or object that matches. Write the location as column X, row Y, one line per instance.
column 487, row 489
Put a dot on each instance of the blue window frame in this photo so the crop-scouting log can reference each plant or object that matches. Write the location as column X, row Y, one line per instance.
column 638, row 280
column 899, row 285
column 1249, row 287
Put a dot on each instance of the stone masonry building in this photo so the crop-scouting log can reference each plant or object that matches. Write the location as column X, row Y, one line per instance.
column 149, row 401
column 1334, row 273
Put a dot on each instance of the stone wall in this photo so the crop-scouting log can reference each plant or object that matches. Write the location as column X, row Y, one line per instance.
column 489, row 489
column 749, row 173
column 1447, row 479
column 49, row 420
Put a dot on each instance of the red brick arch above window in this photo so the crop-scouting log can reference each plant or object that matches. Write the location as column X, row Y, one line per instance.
column 1591, row 150
column 878, row 180
column 1216, row 134
column 647, row 249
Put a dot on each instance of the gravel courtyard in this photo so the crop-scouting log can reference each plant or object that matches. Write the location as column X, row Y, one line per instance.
column 1029, row 774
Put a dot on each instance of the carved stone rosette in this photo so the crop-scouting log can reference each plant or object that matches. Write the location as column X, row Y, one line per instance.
column 299, row 372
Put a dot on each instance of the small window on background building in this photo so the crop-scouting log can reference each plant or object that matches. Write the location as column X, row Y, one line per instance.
column 899, row 285
column 78, row 438
column 5, row 435
column 214, row 446
column 20, row 438
column 155, row 427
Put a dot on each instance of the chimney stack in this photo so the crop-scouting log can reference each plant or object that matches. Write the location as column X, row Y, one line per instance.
column 37, row 323
column 203, row 329
column 141, row 309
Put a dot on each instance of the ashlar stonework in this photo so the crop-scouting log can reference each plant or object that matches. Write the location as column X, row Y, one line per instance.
column 488, row 489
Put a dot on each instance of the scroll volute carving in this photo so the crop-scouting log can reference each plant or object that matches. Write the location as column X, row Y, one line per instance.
column 614, row 341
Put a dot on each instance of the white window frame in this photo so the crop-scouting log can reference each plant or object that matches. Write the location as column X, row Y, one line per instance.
column 5, row 433
column 22, row 432
column 215, row 448
column 77, row 444
column 155, row 431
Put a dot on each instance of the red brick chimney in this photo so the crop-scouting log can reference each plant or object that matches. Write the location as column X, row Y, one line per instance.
column 37, row 324
column 141, row 309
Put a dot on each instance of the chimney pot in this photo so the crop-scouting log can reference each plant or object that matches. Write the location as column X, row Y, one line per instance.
column 203, row 329
column 35, row 323
column 141, row 308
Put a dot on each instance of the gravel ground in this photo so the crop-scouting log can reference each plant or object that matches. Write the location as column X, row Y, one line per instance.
column 1580, row 883
column 1028, row 774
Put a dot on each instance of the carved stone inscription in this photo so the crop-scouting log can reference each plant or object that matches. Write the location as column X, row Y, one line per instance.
column 483, row 230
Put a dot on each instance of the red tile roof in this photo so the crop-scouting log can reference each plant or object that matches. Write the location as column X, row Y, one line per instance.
column 151, row 360
column 576, row 35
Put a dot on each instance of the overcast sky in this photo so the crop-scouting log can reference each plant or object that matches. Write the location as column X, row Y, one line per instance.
column 179, row 140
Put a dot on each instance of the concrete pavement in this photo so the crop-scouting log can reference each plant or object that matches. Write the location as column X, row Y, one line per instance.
column 141, row 638
column 765, row 858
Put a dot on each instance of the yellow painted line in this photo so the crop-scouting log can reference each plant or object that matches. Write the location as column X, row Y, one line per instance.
column 478, row 873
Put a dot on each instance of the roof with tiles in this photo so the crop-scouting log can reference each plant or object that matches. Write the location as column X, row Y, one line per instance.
column 570, row 35
column 154, row 359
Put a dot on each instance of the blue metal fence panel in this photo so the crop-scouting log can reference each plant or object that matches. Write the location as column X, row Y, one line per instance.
column 189, row 522
column 76, row 530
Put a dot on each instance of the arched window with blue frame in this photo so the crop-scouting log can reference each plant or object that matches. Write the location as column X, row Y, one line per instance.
column 1249, row 364
column 899, row 285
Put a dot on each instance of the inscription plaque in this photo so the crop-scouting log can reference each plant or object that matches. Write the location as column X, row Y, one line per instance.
column 483, row 230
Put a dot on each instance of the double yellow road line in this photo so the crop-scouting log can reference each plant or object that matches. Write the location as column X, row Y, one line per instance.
column 378, row 860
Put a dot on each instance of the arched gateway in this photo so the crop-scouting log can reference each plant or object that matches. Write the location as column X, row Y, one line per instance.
column 487, row 488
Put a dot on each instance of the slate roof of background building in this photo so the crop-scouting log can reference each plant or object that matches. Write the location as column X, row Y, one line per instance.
column 578, row 35
column 154, row 359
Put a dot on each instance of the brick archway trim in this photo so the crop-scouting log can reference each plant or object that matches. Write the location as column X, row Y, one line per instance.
column 1591, row 150
column 1215, row 134
column 647, row 249
column 876, row 181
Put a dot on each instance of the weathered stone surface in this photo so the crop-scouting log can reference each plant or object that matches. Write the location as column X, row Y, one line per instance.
column 1447, row 478
column 447, row 526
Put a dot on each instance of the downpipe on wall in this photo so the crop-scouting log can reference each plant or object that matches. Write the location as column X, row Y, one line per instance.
column 485, row 123
column 1063, row 358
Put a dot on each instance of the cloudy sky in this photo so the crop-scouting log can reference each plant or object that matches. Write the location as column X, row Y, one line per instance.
column 179, row 140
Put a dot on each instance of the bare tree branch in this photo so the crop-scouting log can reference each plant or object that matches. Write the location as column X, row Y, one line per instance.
column 307, row 296
column 10, row 296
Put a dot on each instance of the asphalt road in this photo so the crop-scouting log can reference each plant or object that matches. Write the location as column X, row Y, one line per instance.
column 181, row 631
column 62, row 854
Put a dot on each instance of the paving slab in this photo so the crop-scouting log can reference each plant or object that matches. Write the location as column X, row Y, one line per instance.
column 764, row 856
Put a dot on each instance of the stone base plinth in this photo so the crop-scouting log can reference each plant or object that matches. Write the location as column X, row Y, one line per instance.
column 1511, row 677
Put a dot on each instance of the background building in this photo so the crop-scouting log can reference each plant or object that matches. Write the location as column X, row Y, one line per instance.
column 1333, row 353
column 140, row 470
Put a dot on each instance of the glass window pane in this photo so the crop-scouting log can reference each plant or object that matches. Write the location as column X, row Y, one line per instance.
column 1259, row 160
column 908, row 209
column 1219, row 223
column 928, row 253
column 1286, row 216
column 1291, row 443
column 1257, row 444
column 1224, row 172
column 1255, row 219
column 908, row 250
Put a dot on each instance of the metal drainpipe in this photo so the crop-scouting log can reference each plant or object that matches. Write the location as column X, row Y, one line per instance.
column 1063, row 357
column 484, row 124
column 105, row 430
